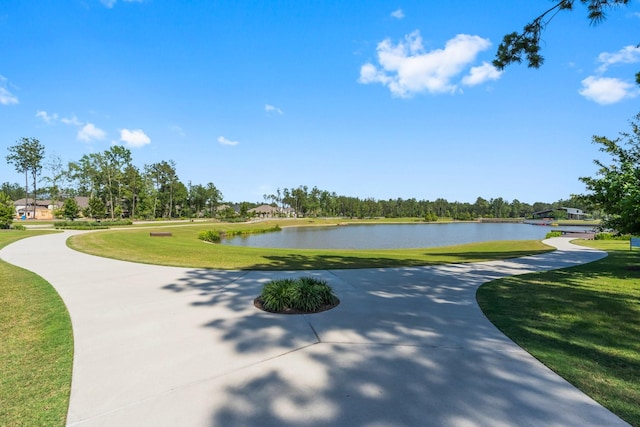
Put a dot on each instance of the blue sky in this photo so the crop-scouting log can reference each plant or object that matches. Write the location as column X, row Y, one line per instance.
column 369, row 99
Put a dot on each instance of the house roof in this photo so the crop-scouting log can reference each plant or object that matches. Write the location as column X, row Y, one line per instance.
column 26, row 202
column 572, row 211
column 264, row 209
column 83, row 202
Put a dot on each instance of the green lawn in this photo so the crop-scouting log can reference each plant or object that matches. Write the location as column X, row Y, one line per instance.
column 582, row 322
column 184, row 249
column 36, row 347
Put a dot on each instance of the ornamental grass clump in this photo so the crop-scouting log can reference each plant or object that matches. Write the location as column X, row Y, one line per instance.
column 302, row 295
column 211, row 236
column 276, row 295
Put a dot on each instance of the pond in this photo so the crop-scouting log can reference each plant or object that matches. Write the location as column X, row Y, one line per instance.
column 394, row 236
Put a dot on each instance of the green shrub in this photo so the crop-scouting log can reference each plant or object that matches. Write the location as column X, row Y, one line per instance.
column 234, row 219
column 430, row 217
column 70, row 209
column 117, row 222
column 320, row 287
column 276, row 295
column 210, row 236
column 553, row 234
column 7, row 211
column 306, row 294
column 90, row 225
column 19, row 227
column 216, row 236
column 248, row 231
column 611, row 236
column 80, row 226
column 304, row 297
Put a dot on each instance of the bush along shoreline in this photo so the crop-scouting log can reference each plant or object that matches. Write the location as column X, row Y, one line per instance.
column 90, row 225
column 215, row 236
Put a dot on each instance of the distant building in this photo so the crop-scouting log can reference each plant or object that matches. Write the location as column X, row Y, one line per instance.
column 222, row 208
column 264, row 211
column 44, row 209
column 268, row 211
column 25, row 209
column 572, row 213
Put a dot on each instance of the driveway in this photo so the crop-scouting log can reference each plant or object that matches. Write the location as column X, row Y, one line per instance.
column 165, row 346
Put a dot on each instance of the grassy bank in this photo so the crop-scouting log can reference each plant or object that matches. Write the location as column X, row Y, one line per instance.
column 184, row 249
column 582, row 322
column 36, row 350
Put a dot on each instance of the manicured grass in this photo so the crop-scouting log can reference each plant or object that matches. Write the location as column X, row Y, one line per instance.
column 36, row 347
column 582, row 322
column 184, row 249
column 585, row 223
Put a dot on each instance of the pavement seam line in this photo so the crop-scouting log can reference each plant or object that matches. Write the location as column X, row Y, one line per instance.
column 334, row 274
column 187, row 385
column 306, row 317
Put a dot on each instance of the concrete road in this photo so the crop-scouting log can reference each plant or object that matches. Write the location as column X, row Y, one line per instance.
column 164, row 346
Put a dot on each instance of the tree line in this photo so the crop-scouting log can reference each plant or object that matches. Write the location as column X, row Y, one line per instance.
column 117, row 189
column 313, row 202
column 114, row 186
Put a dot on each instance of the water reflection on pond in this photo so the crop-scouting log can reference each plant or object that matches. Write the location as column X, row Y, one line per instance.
column 393, row 236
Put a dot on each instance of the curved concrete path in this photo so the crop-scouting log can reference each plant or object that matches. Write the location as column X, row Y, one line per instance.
column 164, row 346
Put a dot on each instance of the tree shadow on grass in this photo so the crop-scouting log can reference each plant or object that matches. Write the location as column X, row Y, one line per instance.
column 333, row 261
column 582, row 322
column 474, row 256
column 330, row 262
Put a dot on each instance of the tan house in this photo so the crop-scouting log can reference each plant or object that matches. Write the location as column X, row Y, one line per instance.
column 44, row 208
column 264, row 211
column 268, row 211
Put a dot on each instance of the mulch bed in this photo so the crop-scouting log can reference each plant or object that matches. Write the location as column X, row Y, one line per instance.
column 259, row 304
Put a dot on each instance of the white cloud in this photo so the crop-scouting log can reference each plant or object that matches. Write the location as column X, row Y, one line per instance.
column 610, row 90
column 54, row 118
column 626, row 55
column 481, row 74
column 90, row 133
column 6, row 97
column 46, row 117
column 407, row 69
column 73, row 120
column 273, row 109
column 134, row 138
column 177, row 130
column 398, row 14
column 224, row 141
column 606, row 90
column 111, row 3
